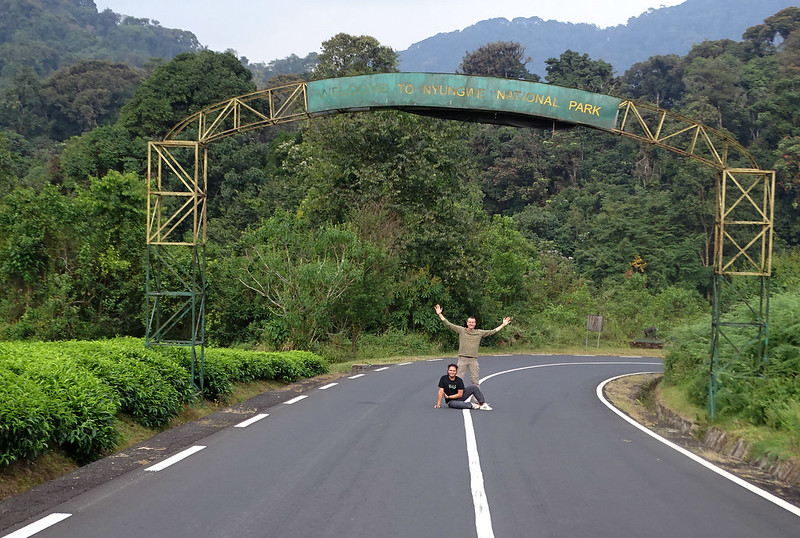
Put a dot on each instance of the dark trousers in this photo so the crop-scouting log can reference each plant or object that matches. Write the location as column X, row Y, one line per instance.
column 469, row 390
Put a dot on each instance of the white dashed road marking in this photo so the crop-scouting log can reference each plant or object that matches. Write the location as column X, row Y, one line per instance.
column 38, row 526
column 249, row 421
column 175, row 459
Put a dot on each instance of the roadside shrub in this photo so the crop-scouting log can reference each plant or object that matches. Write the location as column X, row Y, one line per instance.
column 84, row 409
column 25, row 422
column 293, row 365
column 214, row 377
column 144, row 394
column 81, row 407
column 164, row 364
column 66, row 394
column 757, row 392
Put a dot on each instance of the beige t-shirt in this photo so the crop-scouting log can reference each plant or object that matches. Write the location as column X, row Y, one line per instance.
column 469, row 341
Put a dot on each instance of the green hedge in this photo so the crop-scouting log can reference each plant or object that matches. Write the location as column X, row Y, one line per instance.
column 224, row 366
column 25, row 422
column 80, row 408
column 67, row 394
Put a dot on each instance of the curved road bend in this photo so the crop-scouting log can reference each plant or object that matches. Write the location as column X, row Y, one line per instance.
column 370, row 456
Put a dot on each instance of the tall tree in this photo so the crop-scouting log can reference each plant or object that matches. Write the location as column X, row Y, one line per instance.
column 657, row 80
column 21, row 107
column 763, row 36
column 345, row 55
column 87, row 94
column 181, row 87
column 504, row 59
column 718, row 80
column 579, row 71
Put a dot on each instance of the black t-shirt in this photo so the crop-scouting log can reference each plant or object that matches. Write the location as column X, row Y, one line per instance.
column 450, row 387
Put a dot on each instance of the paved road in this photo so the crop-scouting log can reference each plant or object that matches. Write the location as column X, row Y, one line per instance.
column 370, row 456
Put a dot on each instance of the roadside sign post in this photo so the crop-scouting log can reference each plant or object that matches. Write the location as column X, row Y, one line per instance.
column 594, row 324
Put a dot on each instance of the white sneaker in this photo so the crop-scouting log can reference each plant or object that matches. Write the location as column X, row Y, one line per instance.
column 485, row 406
column 476, row 405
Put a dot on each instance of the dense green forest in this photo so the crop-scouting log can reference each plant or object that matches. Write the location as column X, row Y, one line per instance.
column 329, row 233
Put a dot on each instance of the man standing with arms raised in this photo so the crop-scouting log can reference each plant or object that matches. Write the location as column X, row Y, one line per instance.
column 469, row 339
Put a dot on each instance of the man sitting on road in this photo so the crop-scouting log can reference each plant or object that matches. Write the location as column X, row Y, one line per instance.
column 455, row 394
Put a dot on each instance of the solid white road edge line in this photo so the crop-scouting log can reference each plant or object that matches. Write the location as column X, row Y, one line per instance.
column 175, row 459
column 733, row 478
column 295, row 400
column 251, row 420
column 37, row 526
column 483, row 519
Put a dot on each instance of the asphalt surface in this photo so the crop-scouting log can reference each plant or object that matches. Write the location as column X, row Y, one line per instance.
column 370, row 456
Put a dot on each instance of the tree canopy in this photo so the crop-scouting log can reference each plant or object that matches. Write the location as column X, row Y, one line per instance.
column 344, row 55
column 504, row 59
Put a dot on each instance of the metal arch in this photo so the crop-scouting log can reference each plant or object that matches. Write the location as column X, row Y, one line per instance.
column 659, row 127
column 744, row 212
column 272, row 106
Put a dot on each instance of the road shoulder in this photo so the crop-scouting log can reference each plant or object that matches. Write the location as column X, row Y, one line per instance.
column 629, row 393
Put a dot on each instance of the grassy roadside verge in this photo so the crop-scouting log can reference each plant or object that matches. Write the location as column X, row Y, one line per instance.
column 764, row 445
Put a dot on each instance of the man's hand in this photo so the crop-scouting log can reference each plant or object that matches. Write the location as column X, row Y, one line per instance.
column 506, row 320
column 437, row 406
column 438, row 309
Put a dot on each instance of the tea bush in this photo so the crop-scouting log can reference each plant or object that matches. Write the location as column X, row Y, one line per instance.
column 25, row 422
column 81, row 408
column 67, row 394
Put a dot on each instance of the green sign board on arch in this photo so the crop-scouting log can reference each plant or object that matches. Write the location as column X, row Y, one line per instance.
column 426, row 91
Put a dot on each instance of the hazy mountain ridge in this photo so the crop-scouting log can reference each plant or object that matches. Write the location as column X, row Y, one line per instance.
column 667, row 30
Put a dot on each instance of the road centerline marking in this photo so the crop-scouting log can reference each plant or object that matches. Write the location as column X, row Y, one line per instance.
column 483, row 518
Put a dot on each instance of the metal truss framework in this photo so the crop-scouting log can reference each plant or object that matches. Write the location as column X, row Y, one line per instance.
column 177, row 192
column 743, row 233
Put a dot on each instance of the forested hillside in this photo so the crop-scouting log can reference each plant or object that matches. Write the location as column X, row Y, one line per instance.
column 666, row 30
column 375, row 218
column 42, row 36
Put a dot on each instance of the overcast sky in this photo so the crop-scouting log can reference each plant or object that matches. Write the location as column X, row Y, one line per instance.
column 265, row 30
